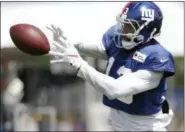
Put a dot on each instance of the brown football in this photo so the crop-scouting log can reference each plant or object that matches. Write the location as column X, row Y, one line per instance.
column 29, row 39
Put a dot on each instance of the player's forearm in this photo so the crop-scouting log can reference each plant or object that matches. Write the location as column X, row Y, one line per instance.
column 92, row 50
column 126, row 85
column 99, row 81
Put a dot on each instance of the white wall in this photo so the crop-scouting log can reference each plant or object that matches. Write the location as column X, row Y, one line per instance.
column 87, row 21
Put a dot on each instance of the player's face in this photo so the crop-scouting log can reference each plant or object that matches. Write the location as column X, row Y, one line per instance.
column 127, row 30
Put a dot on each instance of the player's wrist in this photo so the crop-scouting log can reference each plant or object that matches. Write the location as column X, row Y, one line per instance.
column 82, row 64
column 77, row 63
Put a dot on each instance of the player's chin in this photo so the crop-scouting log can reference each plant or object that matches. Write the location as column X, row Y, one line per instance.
column 126, row 38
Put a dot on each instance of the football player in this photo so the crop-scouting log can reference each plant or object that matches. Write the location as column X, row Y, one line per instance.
column 134, row 85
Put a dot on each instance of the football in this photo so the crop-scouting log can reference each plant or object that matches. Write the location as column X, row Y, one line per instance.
column 29, row 39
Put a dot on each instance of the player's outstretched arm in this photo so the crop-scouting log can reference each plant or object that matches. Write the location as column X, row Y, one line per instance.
column 126, row 85
column 92, row 50
column 113, row 88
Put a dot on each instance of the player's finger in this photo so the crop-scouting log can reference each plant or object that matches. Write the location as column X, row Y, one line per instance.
column 56, row 61
column 54, row 47
column 63, row 42
column 64, row 37
column 60, row 32
column 54, row 53
column 50, row 29
column 55, row 29
column 59, row 46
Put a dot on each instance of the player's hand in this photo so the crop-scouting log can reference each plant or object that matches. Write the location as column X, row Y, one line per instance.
column 57, row 33
column 64, row 51
column 68, row 54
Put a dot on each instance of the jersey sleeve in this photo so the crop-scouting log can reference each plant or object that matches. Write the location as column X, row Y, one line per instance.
column 160, row 63
column 107, row 40
column 105, row 43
